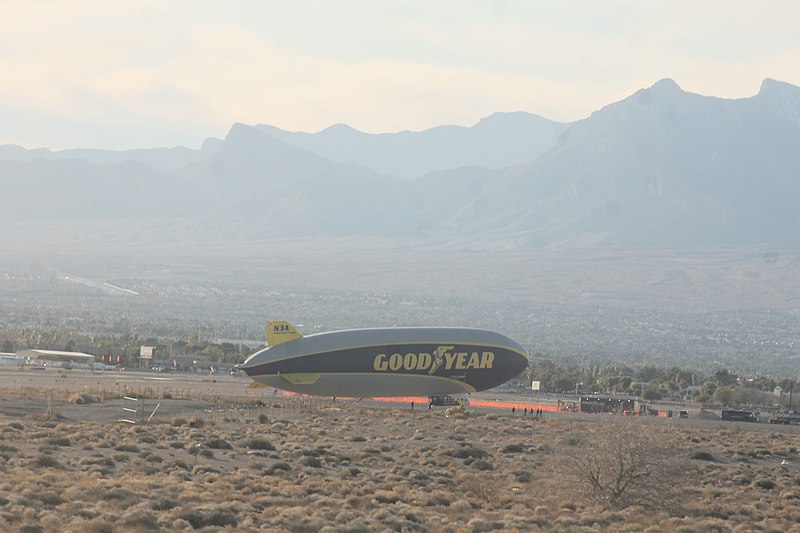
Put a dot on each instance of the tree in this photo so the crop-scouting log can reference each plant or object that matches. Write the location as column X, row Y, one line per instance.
column 8, row 346
column 724, row 377
column 651, row 392
column 724, row 396
column 622, row 462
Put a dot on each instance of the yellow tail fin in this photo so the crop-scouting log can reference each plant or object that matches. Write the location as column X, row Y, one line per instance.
column 279, row 331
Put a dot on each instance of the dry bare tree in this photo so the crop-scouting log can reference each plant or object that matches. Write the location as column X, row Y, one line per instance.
column 622, row 462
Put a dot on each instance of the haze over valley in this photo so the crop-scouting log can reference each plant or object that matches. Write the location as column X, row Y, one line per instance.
column 661, row 229
column 660, row 168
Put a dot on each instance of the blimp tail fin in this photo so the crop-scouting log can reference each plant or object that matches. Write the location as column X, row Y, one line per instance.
column 280, row 331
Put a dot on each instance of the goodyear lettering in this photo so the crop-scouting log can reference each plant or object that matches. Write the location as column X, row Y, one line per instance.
column 424, row 361
column 442, row 356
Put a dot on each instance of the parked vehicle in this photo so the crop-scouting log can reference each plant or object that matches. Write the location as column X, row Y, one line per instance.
column 786, row 419
column 737, row 415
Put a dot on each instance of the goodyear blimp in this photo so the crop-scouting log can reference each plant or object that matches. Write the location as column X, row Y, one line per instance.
column 385, row 362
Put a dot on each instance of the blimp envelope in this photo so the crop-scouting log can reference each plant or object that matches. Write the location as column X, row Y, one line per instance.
column 385, row 361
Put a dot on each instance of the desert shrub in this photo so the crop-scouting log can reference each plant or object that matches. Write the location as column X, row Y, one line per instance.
column 147, row 439
column 385, row 496
column 702, row 456
column 279, row 467
column 207, row 453
column 486, row 489
column 316, row 452
column 99, row 525
column 479, row 525
column 140, row 519
column 513, row 448
column 121, row 494
column 483, row 465
column 523, row 476
column 5, row 448
column 50, row 498
column 59, row 441
column 99, row 461
column 259, row 444
column 176, row 444
column 47, row 461
column 439, row 497
column 178, row 421
column 131, row 448
column 179, row 464
column 467, row 452
column 313, row 462
column 163, row 505
column 765, row 483
column 196, row 422
column 200, row 518
column 359, row 438
column 205, row 469
column 263, row 419
column 218, row 443
column 81, row 399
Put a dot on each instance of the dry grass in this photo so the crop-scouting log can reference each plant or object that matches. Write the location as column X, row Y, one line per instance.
column 359, row 470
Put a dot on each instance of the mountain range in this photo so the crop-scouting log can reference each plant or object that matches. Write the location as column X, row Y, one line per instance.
column 660, row 168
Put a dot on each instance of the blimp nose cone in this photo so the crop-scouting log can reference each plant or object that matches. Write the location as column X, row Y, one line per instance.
column 515, row 364
column 518, row 365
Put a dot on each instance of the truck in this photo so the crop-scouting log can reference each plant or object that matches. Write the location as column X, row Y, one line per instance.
column 738, row 415
column 786, row 419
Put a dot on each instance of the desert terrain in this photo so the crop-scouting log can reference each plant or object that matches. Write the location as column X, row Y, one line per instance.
column 212, row 455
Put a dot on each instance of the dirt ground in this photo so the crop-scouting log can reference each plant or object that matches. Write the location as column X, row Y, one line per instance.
column 217, row 456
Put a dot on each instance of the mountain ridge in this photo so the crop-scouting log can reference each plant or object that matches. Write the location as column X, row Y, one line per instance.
column 660, row 167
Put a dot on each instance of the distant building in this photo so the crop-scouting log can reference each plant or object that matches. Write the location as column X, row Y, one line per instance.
column 777, row 391
column 10, row 359
column 56, row 358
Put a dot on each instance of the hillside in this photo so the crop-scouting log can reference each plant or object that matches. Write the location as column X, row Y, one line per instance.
column 660, row 168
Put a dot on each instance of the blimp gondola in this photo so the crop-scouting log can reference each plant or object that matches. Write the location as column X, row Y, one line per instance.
column 385, row 362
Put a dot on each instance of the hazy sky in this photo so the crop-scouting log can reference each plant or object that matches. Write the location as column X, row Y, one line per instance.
column 141, row 73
